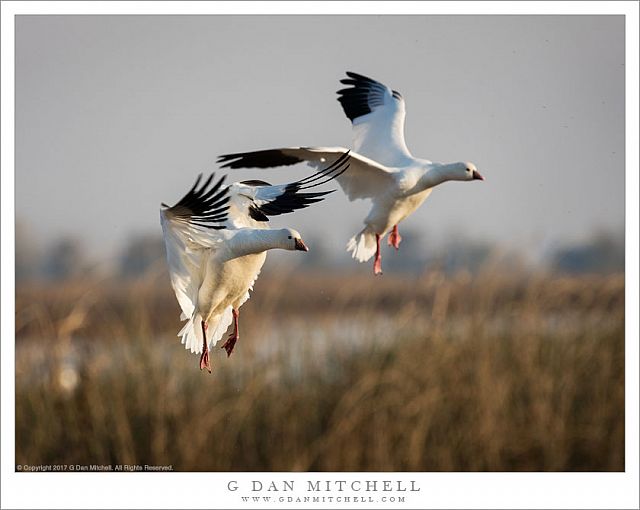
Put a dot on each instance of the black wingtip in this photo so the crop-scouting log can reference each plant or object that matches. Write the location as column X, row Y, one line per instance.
column 255, row 183
column 358, row 76
column 258, row 159
column 332, row 171
column 199, row 207
column 362, row 96
column 292, row 199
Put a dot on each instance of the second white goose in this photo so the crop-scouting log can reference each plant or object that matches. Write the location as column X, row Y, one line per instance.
column 217, row 240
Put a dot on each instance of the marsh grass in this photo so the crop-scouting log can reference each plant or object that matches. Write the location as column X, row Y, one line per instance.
column 497, row 372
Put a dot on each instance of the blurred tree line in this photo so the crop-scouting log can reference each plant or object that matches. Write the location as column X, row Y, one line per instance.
column 67, row 258
column 603, row 254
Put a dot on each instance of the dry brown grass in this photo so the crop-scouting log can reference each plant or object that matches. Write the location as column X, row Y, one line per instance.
column 493, row 372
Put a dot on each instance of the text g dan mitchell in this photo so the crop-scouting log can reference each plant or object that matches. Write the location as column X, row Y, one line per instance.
column 325, row 486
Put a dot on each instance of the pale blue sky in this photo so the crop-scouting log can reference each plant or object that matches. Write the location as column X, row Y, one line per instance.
column 115, row 114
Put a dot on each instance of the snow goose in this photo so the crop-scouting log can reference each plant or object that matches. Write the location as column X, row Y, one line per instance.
column 216, row 238
column 382, row 168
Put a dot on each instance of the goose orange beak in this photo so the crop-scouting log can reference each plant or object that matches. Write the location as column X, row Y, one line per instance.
column 301, row 246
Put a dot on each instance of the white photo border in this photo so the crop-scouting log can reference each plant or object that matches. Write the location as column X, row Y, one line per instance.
column 214, row 490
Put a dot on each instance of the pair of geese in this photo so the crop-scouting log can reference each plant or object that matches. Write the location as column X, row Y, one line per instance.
column 217, row 236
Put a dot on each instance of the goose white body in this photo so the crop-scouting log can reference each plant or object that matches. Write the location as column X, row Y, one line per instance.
column 227, row 282
column 221, row 283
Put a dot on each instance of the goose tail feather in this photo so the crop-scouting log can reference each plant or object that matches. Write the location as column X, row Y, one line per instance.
column 191, row 333
column 362, row 246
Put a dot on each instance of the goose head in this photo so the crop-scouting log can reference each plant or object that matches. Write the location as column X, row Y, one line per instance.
column 291, row 239
column 462, row 171
column 438, row 173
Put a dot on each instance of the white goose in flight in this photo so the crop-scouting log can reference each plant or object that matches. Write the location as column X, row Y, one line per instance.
column 382, row 168
column 216, row 239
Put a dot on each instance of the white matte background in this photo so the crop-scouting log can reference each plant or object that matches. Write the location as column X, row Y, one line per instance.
column 444, row 490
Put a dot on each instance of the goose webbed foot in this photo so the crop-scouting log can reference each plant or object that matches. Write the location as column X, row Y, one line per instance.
column 230, row 344
column 204, row 361
column 394, row 238
column 233, row 338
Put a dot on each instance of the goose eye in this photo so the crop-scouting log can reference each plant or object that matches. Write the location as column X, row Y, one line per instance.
column 289, row 237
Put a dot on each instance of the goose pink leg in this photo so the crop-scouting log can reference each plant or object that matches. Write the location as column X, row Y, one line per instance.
column 377, row 263
column 204, row 359
column 231, row 341
column 394, row 238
